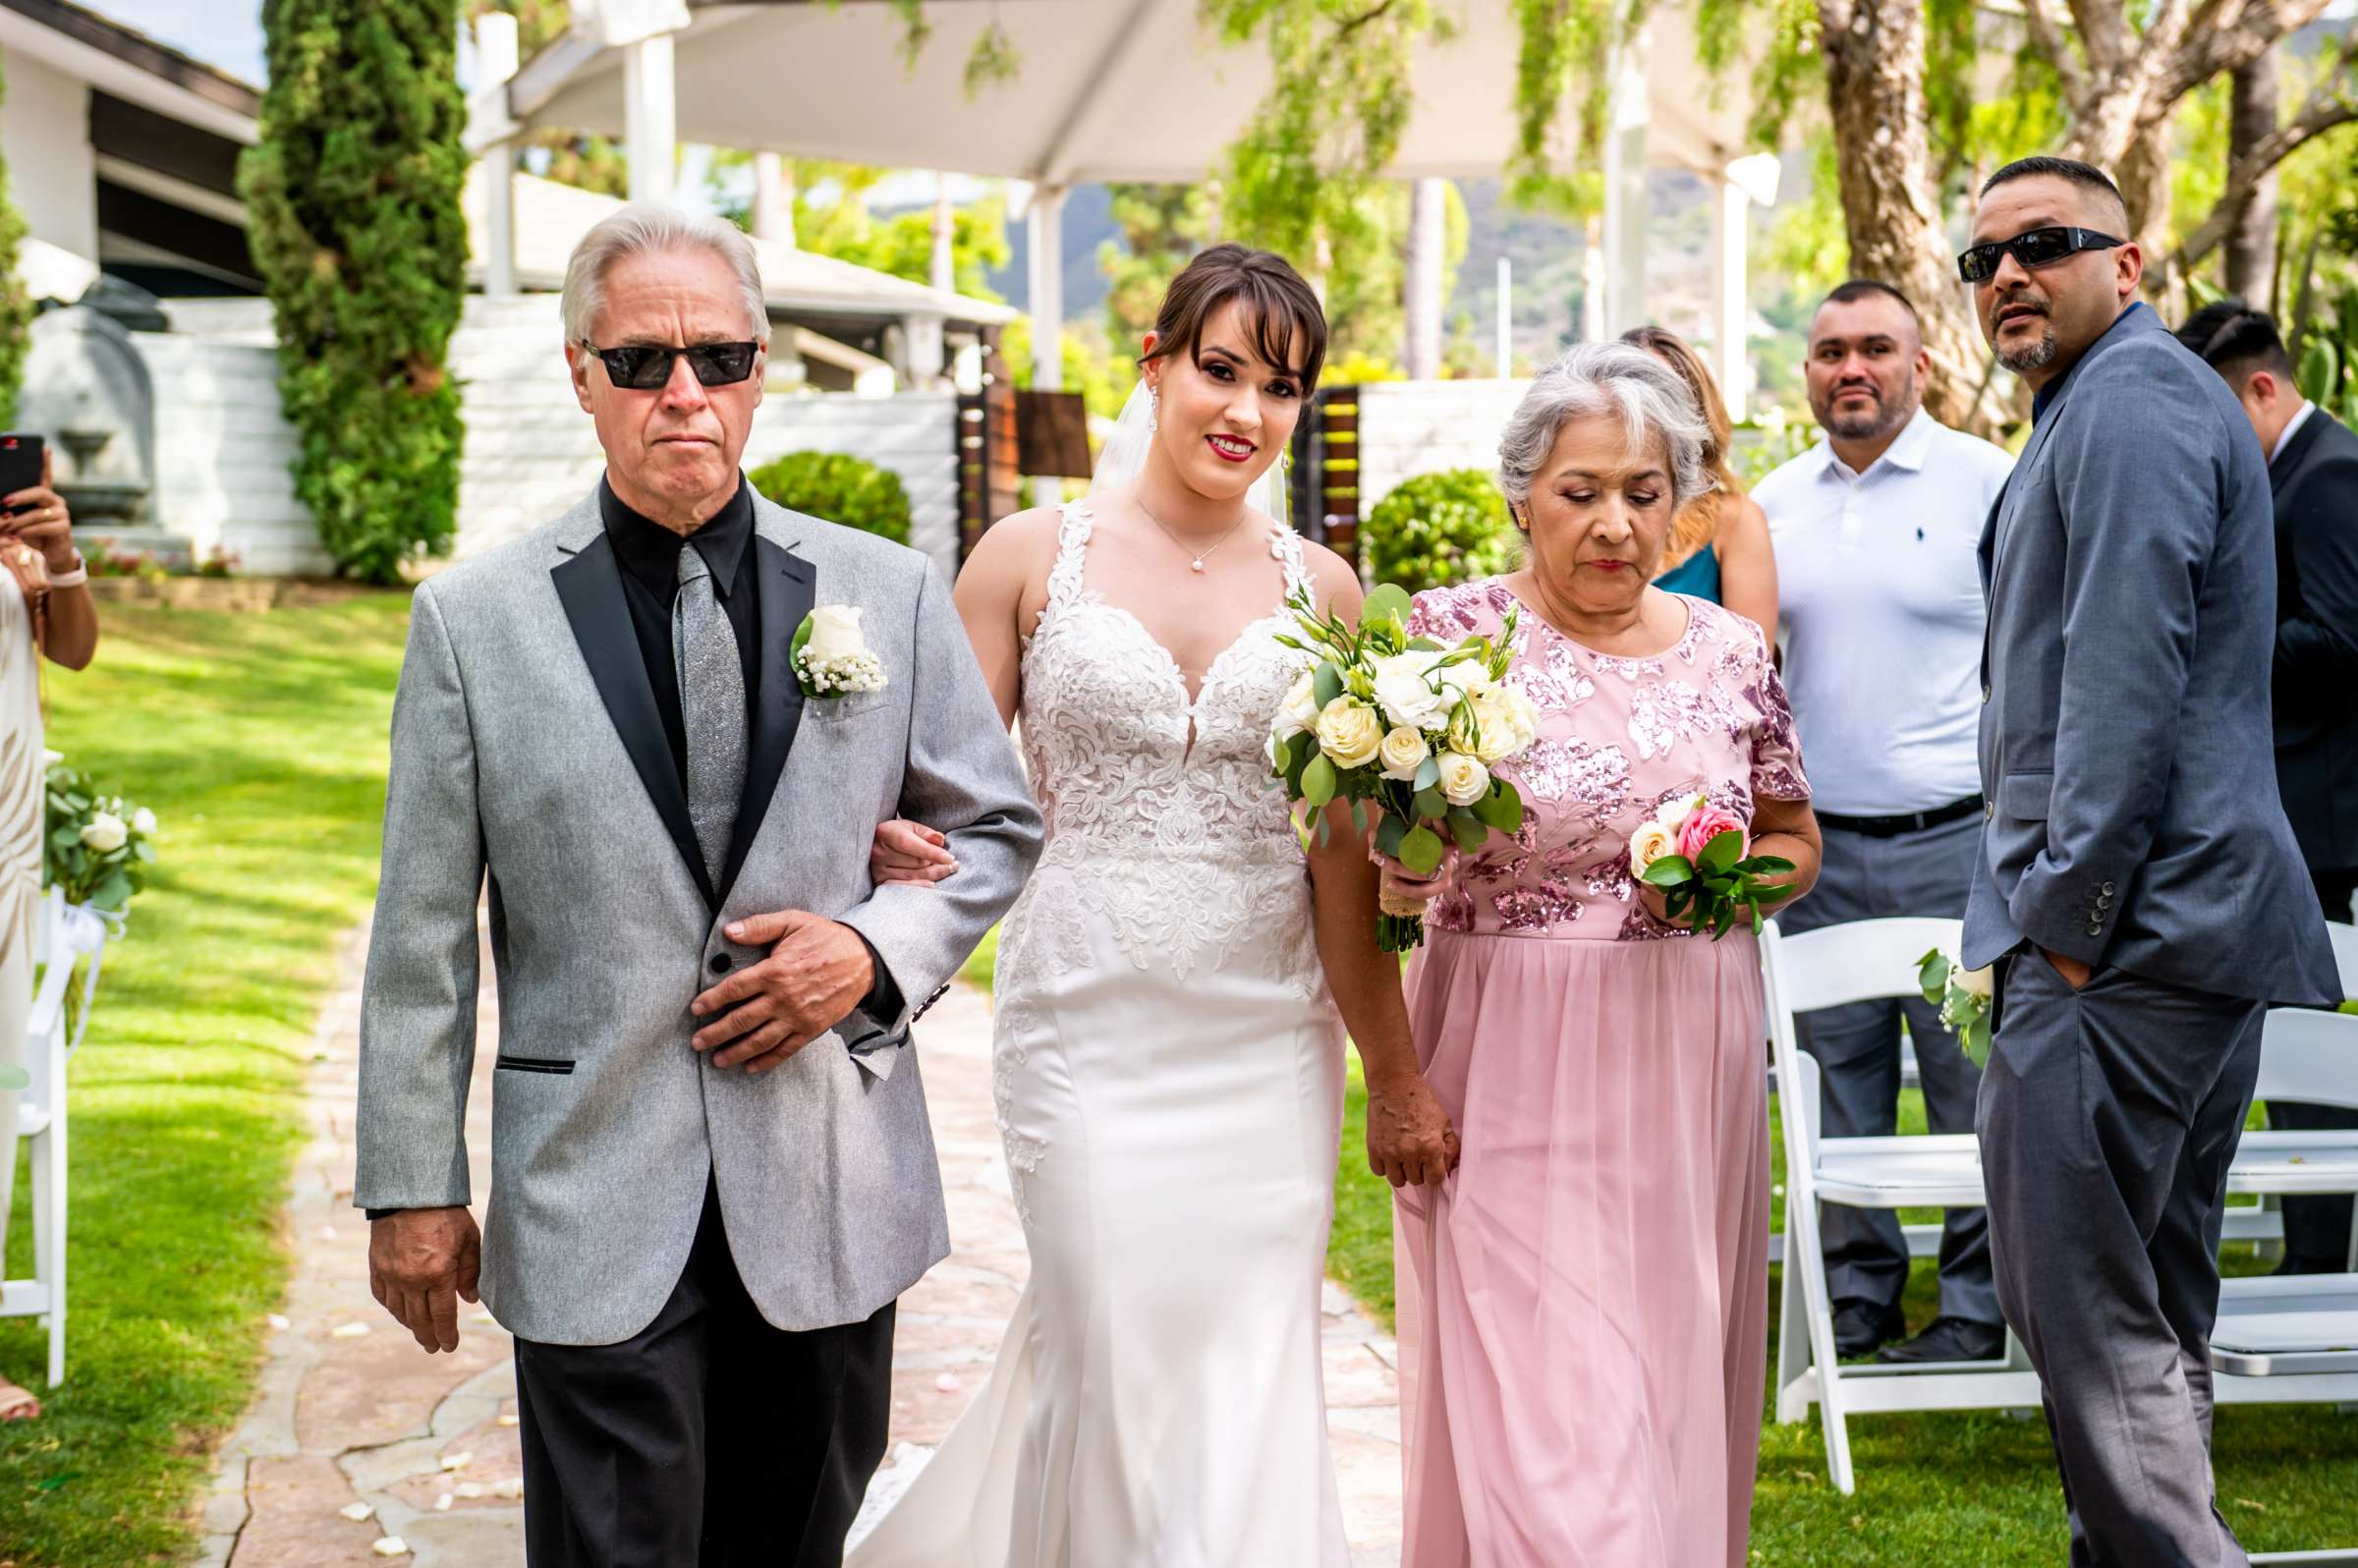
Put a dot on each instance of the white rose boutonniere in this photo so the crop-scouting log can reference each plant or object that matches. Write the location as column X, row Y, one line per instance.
column 830, row 657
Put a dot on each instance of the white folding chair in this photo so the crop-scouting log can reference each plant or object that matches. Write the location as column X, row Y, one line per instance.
column 2298, row 1331
column 2262, row 1223
column 1860, row 961
column 2311, row 1057
column 62, row 935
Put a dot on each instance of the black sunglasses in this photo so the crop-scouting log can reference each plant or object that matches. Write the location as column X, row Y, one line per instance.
column 2039, row 248
column 645, row 368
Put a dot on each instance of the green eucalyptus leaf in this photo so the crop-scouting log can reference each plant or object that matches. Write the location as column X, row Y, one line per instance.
column 1421, row 850
column 1388, row 834
column 1467, row 830
column 1429, row 774
column 1502, row 807
column 1432, row 802
column 1318, row 781
column 1327, row 683
column 1387, row 601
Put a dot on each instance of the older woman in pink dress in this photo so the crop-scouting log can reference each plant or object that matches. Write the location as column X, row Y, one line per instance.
column 1583, row 1301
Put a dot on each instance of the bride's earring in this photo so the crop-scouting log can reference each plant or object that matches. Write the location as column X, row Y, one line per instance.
column 1153, row 411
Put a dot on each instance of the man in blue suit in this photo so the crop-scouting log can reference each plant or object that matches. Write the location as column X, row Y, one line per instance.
column 2139, row 884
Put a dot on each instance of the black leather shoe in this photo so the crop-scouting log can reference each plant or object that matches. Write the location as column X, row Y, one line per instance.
column 1949, row 1339
column 1859, row 1327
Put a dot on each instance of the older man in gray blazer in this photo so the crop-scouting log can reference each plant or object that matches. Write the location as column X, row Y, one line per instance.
column 711, row 1168
column 2139, row 882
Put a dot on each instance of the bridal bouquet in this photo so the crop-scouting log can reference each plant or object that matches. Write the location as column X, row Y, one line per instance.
column 1963, row 997
column 1407, row 731
column 1701, row 857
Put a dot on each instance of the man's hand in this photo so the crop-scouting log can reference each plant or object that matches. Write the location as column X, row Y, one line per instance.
column 1410, row 1142
column 2075, row 974
column 816, row 974
column 422, row 1262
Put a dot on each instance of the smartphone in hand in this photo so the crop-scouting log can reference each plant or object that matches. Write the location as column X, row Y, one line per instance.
column 19, row 463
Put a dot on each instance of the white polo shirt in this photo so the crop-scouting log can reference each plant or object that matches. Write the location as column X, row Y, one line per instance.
column 1880, row 590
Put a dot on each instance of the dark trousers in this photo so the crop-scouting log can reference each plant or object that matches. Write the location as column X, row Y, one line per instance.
column 708, row 1439
column 2317, row 1230
column 1857, row 1048
column 2108, row 1117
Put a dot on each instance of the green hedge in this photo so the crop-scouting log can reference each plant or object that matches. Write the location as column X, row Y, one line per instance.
column 16, row 311
column 839, row 487
column 353, row 203
column 1438, row 529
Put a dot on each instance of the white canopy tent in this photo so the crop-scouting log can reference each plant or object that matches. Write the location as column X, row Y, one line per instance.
column 1106, row 90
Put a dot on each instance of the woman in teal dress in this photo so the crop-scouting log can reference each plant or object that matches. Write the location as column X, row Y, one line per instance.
column 1719, row 545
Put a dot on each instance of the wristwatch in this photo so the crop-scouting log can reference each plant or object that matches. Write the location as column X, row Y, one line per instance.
column 74, row 578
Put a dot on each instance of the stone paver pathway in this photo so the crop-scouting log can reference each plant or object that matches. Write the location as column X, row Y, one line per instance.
column 350, row 1414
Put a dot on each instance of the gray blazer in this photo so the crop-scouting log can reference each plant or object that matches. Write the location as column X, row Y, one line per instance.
column 527, row 748
column 2125, row 743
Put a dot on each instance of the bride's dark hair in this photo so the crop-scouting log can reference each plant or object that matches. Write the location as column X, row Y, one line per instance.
column 1289, row 328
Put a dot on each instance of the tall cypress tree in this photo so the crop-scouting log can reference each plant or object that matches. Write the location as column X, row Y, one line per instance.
column 16, row 311
column 353, row 214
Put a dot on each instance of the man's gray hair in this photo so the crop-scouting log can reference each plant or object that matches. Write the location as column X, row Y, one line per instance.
column 645, row 228
column 1621, row 382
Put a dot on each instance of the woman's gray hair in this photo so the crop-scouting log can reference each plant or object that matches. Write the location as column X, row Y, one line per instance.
column 643, row 228
column 1621, row 382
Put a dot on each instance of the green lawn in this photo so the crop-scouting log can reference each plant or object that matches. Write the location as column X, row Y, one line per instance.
column 259, row 739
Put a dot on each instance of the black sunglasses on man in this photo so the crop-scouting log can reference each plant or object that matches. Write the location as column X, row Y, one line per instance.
column 646, row 367
column 2035, row 247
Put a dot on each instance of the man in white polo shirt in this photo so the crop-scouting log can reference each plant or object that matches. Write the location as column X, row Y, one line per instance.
column 1876, row 530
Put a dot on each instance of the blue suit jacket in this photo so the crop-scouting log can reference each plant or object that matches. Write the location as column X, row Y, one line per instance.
column 2125, row 738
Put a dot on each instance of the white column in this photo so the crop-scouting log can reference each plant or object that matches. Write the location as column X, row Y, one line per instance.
column 1427, row 221
column 773, row 199
column 1047, row 224
column 651, row 114
column 1592, row 281
column 1506, row 318
column 944, row 271
column 1730, row 301
column 922, row 344
column 497, row 57
column 1625, row 189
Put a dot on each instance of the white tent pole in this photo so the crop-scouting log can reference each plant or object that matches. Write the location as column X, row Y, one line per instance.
column 773, row 199
column 1730, row 304
column 1506, row 318
column 1625, row 189
column 1046, row 223
column 497, row 57
column 1427, row 209
column 944, row 271
column 650, row 111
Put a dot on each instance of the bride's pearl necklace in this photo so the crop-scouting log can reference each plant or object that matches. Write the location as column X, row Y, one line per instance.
column 1198, row 560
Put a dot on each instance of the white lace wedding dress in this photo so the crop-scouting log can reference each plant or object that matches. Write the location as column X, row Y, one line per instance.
column 1168, row 1074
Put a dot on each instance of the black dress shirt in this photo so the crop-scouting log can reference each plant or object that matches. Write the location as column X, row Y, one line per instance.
column 649, row 556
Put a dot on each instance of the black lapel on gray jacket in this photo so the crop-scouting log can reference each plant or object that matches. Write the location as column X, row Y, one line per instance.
column 591, row 588
column 789, row 588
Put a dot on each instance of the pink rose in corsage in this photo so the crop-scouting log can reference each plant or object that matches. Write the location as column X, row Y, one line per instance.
column 1701, row 857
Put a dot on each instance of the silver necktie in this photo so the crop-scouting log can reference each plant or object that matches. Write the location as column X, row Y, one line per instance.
column 703, row 651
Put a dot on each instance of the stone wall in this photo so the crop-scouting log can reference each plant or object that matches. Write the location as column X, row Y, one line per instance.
column 1412, row 428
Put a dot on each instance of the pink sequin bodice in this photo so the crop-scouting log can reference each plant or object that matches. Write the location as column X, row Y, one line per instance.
column 1617, row 738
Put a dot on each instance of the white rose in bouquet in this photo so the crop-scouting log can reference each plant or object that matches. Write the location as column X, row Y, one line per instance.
column 1649, row 843
column 834, row 633
column 1404, row 689
column 1403, row 753
column 50, row 759
column 1522, row 711
column 105, row 834
column 1674, row 813
column 1300, row 710
column 143, row 822
column 1464, row 780
column 1349, row 733
column 1495, row 719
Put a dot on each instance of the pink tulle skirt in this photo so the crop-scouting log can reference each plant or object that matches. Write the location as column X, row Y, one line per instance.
column 1584, row 1304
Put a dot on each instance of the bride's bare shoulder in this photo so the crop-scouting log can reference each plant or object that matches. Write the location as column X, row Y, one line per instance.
column 1020, row 545
column 1333, row 579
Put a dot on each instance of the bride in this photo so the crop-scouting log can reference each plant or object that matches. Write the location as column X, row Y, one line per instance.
column 1168, row 1061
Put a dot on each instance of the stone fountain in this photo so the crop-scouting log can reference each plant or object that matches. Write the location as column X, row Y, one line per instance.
column 87, row 390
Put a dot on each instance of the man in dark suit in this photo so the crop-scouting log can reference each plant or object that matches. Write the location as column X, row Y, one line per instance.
column 2139, row 884
column 2313, row 472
